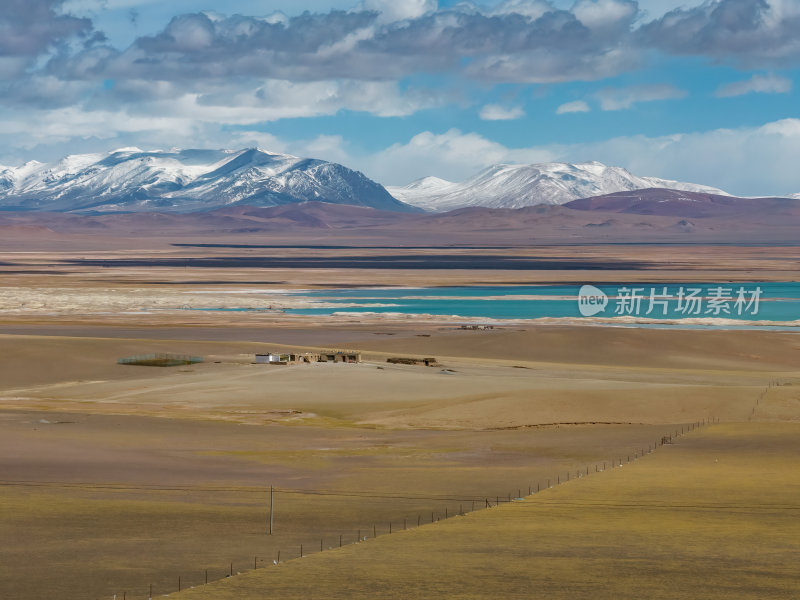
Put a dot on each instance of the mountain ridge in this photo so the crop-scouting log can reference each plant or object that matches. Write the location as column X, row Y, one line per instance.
column 517, row 186
column 134, row 180
column 201, row 180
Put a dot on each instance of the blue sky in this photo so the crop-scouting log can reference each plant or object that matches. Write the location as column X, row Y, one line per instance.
column 702, row 92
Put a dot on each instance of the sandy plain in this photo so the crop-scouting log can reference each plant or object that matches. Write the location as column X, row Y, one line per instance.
column 115, row 477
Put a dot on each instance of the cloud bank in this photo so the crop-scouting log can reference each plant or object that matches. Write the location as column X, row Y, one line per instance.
column 518, row 41
column 759, row 84
column 623, row 98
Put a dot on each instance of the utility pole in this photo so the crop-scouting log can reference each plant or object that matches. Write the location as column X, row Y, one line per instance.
column 271, row 507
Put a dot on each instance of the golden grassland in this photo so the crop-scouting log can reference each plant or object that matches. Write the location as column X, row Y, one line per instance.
column 713, row 515
column 145, row 500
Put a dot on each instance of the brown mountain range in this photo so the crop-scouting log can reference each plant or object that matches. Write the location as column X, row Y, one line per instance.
column 644, row 216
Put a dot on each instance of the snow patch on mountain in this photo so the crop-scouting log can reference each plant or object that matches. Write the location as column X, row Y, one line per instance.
column 130, row 179
column 517, row 186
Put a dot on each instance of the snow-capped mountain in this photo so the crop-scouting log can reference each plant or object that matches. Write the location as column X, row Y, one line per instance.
column 130, row 179
column 516, row 186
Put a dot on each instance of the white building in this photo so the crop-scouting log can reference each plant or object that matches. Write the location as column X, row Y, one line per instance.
column 263, row 359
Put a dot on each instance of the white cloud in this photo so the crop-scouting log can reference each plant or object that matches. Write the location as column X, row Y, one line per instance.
column 601, row 14
column 190, row 35
column 746, row 161
column 545, row 65
column 452, row 155
column 624, row 98
column 61, row 125
column 176, row 110
column 750, row 33
column 533, row 9
column 573, row 107
column 655, row 9
column 325, row 147
column 760, row 84
column 495, row 112
column 279, row 99
column 256, row 139
column 400, row 10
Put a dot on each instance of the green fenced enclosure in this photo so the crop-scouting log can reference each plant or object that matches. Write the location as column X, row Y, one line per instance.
column 160, row 360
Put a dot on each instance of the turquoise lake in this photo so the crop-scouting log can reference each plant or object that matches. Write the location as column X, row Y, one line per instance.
column 777, row 303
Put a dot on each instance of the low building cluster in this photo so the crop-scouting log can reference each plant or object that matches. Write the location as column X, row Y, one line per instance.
column 294, row 358
column 403, row 360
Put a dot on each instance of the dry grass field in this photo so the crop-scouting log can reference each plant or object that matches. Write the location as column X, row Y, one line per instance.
column 143, row 501
column 712, row 516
